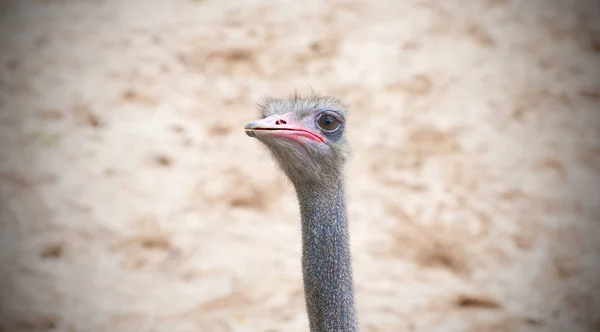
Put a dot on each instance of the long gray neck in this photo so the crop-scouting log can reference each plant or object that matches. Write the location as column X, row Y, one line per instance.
column 326, row 258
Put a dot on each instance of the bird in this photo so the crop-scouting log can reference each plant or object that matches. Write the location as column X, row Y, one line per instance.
column 305, row 136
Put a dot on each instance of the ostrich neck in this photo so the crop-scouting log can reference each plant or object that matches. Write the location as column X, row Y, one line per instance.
column 326, row 258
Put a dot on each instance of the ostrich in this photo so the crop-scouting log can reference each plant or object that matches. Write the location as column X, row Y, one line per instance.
column 306, row 138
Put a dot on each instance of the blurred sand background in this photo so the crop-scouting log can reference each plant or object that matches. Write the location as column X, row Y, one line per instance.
column 131, row 199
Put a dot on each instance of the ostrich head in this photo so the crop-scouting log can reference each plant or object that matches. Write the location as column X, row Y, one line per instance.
column 305, row 136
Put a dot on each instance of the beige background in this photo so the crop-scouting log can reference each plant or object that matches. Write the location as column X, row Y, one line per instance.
column 131, row 199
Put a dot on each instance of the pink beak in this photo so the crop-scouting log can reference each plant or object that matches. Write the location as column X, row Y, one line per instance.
column 283, row 126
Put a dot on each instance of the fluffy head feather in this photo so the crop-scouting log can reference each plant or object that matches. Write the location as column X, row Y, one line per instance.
column 304, row 160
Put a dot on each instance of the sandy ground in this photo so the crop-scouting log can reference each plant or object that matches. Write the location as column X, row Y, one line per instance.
column 131, row 200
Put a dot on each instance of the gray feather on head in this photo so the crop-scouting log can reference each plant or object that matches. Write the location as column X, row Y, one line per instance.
column 305, row 160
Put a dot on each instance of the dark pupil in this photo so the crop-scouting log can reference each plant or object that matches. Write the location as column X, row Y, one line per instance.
column 328, row 122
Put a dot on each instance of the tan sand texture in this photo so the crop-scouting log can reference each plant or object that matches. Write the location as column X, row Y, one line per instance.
column 131, row 199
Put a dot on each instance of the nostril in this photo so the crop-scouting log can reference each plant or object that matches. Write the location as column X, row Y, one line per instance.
column 280, row 122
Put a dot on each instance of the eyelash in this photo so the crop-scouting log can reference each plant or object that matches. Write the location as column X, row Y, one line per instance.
column 332, row 113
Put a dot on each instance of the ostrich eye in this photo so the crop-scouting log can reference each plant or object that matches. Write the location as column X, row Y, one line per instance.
column 328, row 122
